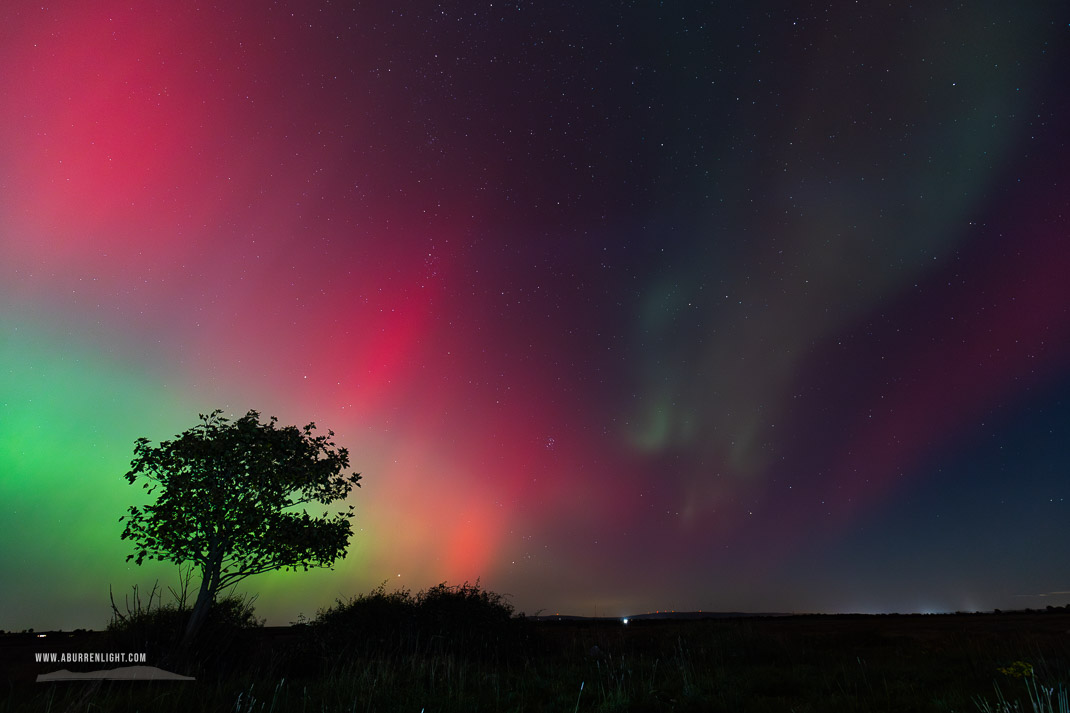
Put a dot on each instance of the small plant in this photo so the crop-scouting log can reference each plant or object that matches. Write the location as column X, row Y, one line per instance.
column 1040, row 697
column 1018, row 669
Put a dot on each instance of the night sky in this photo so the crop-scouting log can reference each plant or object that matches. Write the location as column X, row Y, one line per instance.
column 618, row 306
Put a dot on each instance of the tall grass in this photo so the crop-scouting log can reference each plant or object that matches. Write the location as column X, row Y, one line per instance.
column 1038, row 695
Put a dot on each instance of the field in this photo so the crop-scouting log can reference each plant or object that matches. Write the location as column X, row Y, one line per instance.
column 781, row 664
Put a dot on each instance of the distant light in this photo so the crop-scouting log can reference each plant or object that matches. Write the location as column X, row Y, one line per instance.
column 625, row 620
column 41, row 636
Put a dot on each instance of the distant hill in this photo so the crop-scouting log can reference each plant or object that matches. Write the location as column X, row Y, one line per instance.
column 661, row 615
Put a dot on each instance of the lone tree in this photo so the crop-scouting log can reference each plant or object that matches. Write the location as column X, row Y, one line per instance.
column 229, row 502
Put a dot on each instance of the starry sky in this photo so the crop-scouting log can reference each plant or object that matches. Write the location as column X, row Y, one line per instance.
column 618, row 306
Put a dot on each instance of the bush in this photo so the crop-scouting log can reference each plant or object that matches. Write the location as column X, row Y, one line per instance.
column 368, row 623
column 156, row 630
column 464, row 620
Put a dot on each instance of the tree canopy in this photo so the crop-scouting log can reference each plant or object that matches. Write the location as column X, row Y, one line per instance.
column 231, row 500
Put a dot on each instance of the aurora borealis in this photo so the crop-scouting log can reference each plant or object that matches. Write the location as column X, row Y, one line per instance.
column 617, row 306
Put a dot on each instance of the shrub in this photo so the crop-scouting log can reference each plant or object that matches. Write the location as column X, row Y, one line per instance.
column 156, row 630
column 368, row 623
column 468, row 621
column 463, row 620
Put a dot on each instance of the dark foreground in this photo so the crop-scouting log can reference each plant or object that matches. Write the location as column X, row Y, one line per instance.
column 804, row 663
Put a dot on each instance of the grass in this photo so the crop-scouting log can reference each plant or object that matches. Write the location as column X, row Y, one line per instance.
column 354, row 657
column 1042, row 699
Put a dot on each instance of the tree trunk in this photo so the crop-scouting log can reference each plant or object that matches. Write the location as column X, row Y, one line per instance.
column 205, row 598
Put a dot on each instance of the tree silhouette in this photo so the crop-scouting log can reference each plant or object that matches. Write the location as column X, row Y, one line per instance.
column 229, row 503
